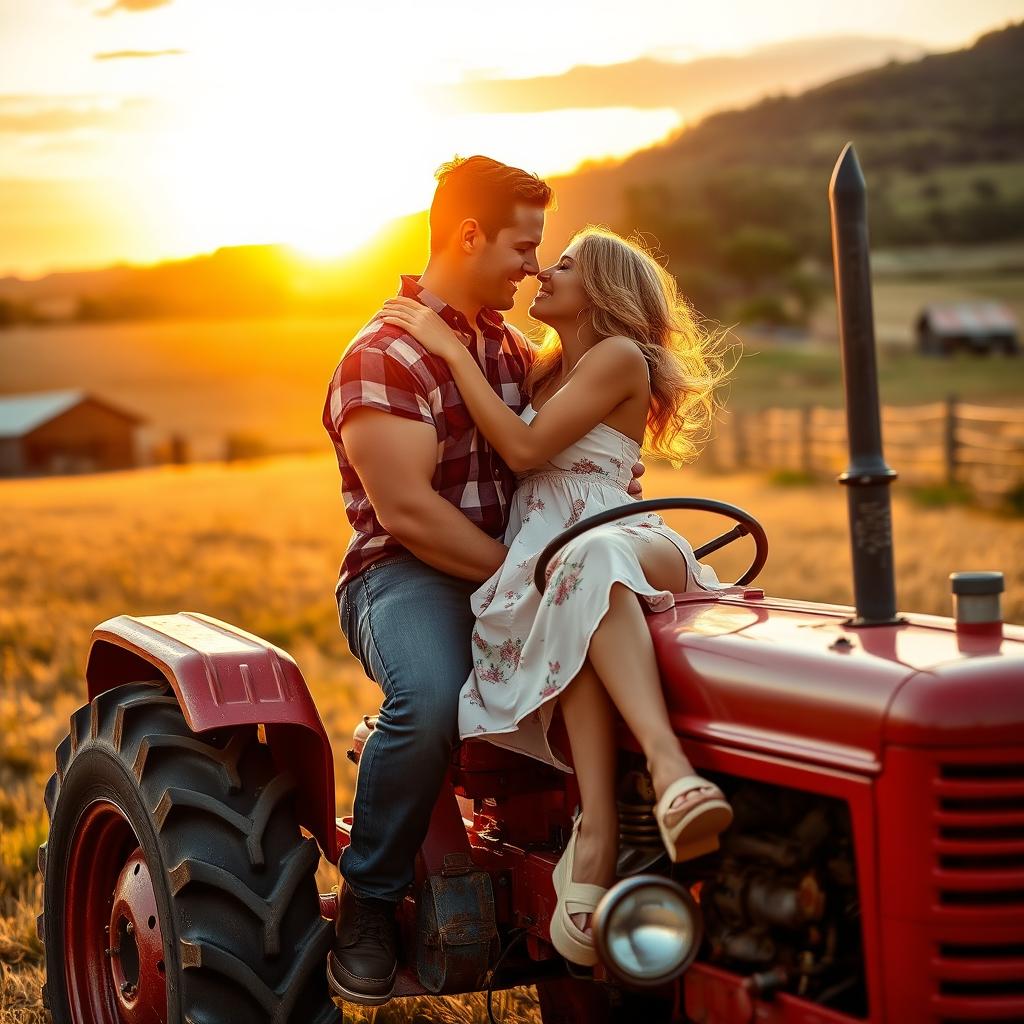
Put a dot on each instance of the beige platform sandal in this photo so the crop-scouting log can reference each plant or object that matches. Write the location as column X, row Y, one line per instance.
column 696, row 832
column 573, row 898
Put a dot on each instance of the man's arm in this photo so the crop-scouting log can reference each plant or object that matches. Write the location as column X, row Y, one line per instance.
column 395, row 458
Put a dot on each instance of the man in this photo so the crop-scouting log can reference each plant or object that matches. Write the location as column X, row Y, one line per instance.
column 427, row 498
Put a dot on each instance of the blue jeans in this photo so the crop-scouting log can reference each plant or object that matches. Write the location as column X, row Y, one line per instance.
column 410, row 627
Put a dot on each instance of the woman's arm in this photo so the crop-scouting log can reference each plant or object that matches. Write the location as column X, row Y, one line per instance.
column 606, row 376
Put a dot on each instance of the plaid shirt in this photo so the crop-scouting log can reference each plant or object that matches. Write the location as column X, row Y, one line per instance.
column 385, row 368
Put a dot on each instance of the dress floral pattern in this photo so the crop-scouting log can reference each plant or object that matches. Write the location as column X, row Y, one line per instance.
column 528, row 647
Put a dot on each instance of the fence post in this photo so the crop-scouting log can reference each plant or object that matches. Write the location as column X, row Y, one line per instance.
column 806, row 451
column 949, row 439
column 739, row 440
column 178, row 447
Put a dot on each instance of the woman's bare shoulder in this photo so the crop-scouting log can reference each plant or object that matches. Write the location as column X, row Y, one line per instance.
column 619, row 351
column 617, row 354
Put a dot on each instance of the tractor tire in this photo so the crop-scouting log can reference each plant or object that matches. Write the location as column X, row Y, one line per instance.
column 177, row 886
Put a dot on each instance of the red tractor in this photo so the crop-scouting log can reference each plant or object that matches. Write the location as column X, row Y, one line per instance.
column 874, row 870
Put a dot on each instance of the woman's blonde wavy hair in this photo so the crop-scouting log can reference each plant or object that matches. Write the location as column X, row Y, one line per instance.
column 632, row 295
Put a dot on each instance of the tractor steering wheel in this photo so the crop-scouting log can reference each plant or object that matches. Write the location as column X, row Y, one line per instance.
column 745, row 524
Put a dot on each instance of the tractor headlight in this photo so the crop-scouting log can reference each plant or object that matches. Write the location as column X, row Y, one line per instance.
column 647, row 930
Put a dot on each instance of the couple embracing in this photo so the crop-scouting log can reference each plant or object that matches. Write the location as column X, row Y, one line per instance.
column 463, row 450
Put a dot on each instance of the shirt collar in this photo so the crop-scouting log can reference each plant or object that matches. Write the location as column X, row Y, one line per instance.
column 454, row 318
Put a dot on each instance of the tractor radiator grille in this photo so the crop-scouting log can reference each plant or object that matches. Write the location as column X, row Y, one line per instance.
column 978, row 878
column 980, row 822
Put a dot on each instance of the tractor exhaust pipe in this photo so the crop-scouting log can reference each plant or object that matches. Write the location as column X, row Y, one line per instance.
column 867, row 477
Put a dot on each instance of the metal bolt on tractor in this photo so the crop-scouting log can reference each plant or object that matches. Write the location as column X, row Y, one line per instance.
column 874, row 871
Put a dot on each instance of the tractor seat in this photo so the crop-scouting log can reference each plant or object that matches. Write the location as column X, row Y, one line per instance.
column 479, row 767
column 481, row 756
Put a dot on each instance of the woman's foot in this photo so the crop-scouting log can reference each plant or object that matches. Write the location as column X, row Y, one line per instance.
column 691, row 814
column 695, row 811
column 664, row 772
column 575, row 898
column 691, row 798
column 597, row 854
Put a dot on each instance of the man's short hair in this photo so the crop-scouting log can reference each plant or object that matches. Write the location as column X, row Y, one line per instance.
column 485, row 190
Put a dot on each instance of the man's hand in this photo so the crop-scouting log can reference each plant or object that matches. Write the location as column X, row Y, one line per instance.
column 635, row 487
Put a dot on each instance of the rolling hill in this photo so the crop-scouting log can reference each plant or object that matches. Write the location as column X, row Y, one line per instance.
column 913, row 123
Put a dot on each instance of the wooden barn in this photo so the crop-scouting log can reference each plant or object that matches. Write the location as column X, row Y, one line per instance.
column 64, row 432
column 982, row 327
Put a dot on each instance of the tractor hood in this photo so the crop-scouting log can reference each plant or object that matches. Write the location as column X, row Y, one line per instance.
column 790, row 678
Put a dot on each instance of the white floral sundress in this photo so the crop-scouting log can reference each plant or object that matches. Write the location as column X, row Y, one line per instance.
column 528, row 647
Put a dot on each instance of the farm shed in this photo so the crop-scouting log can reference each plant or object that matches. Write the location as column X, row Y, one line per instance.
column 64, row 432
column 945, row 327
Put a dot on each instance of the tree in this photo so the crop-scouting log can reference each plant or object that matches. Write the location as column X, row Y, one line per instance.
column 753, row 254
column 763, row 309
column 985, row 189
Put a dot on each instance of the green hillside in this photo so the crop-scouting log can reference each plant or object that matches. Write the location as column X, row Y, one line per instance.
column 739, row 201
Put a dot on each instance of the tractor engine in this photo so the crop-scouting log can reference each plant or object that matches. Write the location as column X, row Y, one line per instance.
column 779, row 899
column 780, row 904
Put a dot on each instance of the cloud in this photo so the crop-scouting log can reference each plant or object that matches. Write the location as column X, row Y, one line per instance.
column 693, row 87
column 55, row 115
column 132, row 6
column 131, row 54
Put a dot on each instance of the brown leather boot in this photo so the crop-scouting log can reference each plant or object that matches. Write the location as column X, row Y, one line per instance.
column 362, row 965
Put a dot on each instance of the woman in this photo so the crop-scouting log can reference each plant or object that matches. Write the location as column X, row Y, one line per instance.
column 623, row 360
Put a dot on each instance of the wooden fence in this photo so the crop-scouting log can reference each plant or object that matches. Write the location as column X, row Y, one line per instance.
column 948, row 442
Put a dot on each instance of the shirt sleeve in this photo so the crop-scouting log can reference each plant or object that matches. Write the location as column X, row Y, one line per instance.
column 373, row 376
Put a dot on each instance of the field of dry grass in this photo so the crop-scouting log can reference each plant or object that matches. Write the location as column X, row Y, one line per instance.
column 258, row 545
column 266, row 379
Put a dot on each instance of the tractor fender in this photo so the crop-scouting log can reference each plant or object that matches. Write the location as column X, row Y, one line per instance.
column 224, row 676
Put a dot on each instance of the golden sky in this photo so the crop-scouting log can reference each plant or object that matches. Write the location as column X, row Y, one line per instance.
column 144, row 129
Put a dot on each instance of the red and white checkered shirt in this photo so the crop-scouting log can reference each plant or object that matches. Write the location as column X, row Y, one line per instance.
column 385, row 368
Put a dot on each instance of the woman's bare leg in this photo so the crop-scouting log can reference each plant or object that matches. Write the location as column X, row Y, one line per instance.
column 590, row 723
column 621, row 669
column 622, row 653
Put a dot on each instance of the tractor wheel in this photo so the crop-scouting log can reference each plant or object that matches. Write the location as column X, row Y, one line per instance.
column 177, row 885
